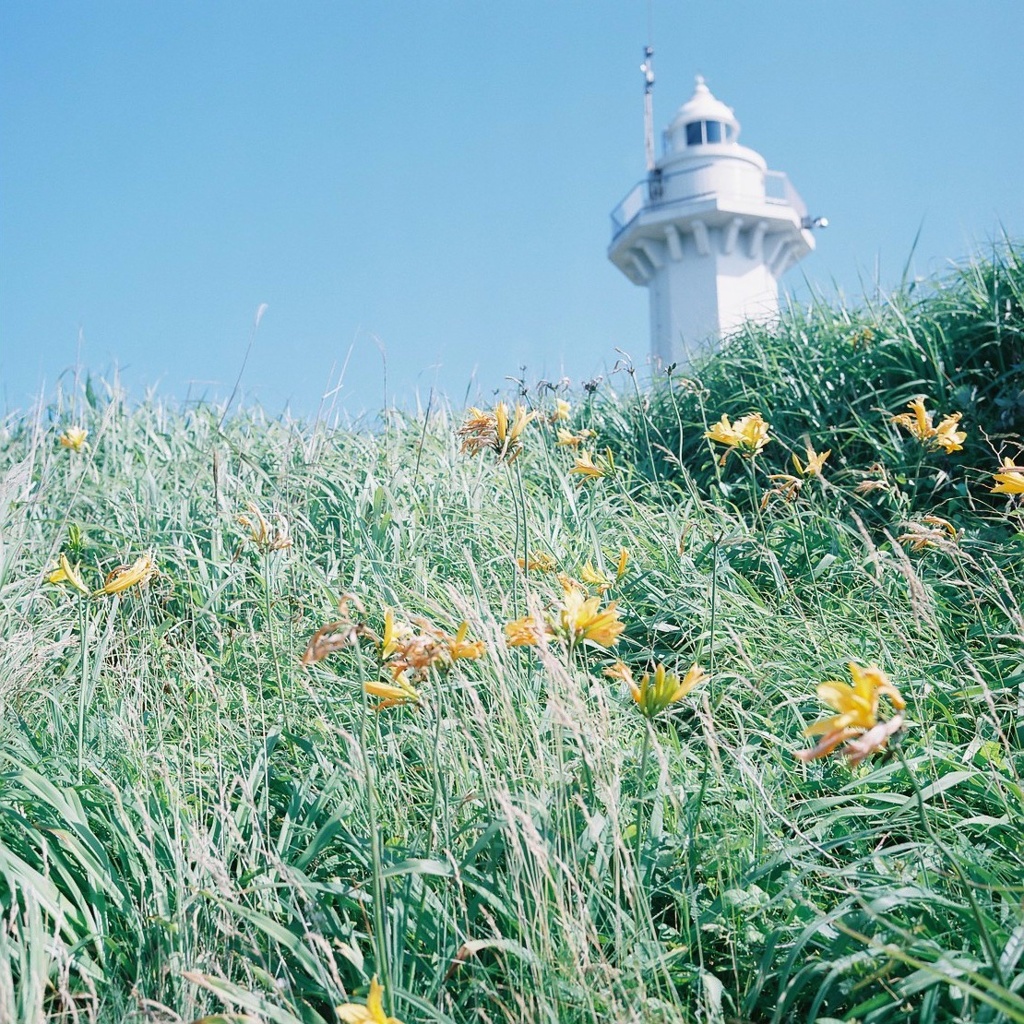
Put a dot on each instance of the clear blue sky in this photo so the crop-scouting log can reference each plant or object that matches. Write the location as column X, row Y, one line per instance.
column 432, row 180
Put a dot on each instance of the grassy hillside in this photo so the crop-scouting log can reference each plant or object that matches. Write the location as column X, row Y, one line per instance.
column 267, row 734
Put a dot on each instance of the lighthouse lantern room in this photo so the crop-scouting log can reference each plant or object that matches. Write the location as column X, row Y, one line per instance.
column 709, row 231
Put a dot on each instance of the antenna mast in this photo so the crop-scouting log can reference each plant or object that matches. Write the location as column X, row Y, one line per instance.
column 648, row 70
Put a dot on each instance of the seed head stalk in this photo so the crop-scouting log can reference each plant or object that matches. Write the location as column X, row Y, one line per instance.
column 756, row 490
column 645, row 753
column 83, row 688
column 380, row 939
column 521, row 534
column 268, row 611
column 713, row 611
column 644, row 420
column 807, row 556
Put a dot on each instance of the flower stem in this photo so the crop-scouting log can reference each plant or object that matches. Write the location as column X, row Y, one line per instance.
column 522, row 511
column 641, row 789
column 268, row 608
column 756, row 489
column 380, row 944
column 83, row 688
column 714, row 596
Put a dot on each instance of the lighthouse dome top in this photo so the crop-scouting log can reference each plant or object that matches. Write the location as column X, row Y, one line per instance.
column 702, row 120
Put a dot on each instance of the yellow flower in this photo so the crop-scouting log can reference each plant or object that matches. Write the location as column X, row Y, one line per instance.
column 947, row 436
column 590, row 576
column 814, row 462
column 585, row 465
column 404, row 650
column 501, row 422
column 748, row 435
column 595, row 578
column 140, row 572
column 524, row 632
column 492, row 430
column 918, row 423
column 1011, row 480
column 399, row 692
column 460, row 648
column 262, row 534
column 509, row 435
column 857, row 707
column 371, row 1013
column 393, row 634
column 573, row 439
column 75, row 439
column 581, row 618
column 576, row 619
column 723, row 432
column 567, row 582
column 588, row 469
column 562, row 411
column 754, row 432
column 655, row 693
column 620, row 567
column 539, row 561
column 65, row 574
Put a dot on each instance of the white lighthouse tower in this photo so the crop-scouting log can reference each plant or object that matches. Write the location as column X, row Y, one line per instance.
column 709, row 231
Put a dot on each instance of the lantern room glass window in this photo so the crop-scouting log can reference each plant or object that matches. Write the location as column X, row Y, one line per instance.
column 699, row 133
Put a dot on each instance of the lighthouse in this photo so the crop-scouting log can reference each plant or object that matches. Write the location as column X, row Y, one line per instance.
column 709, row 231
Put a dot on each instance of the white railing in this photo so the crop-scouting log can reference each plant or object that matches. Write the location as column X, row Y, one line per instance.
column 779, row 189
column 647, row 195
column 626, row 212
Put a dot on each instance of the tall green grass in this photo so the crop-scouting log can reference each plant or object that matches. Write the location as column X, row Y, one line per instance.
column 192, row 824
